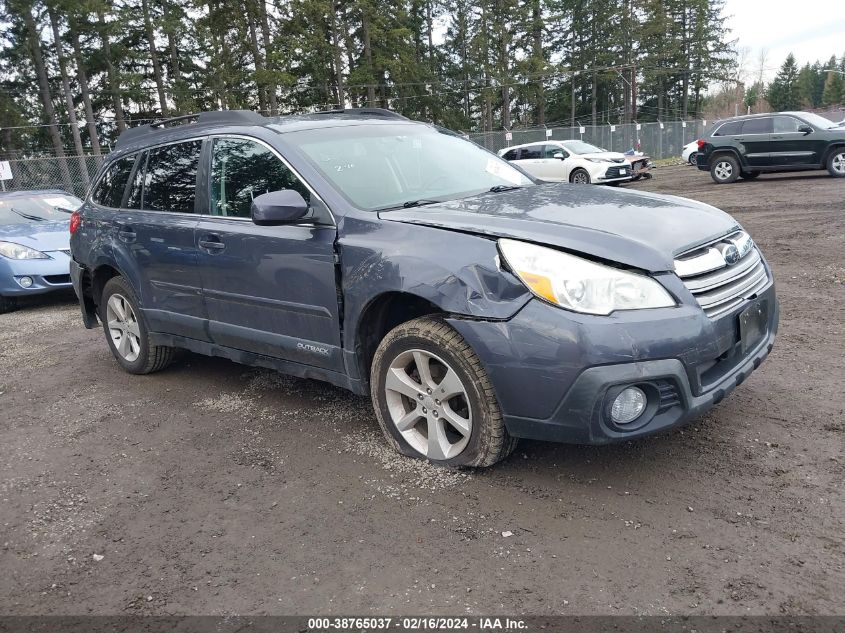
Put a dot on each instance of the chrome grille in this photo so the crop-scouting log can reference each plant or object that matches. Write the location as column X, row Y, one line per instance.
column 717, row 285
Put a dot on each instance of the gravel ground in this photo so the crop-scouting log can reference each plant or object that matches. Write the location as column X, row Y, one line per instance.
column 213, row 488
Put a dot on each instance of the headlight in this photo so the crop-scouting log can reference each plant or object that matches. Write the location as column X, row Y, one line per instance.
column 17, row 251
column 578, row 284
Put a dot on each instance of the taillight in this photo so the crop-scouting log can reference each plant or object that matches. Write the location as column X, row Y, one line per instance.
column 700, row 143
column 75, row 221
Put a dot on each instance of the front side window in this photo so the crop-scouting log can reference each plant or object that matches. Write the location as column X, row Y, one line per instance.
column 170, row 181
column 757, row 126
column 786, row 125
column 241, row 170
column 551, row 150
column 109, row 191
column 386, row 165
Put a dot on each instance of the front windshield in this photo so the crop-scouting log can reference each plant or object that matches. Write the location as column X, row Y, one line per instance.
column 580, row 147
column 48, row 207
column 387, row 166
column 818, row 121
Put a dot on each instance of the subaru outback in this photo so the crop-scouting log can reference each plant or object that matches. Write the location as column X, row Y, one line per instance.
column 474, row 304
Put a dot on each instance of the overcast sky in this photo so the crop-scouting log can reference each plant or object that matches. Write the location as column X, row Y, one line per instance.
column 810, row 29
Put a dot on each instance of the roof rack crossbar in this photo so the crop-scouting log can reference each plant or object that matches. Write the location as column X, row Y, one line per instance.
column 382, row 112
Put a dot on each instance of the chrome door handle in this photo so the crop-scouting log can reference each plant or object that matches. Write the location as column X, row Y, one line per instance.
column 211, row 244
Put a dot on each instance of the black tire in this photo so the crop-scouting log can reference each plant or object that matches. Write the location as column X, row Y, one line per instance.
column 151, row 358
column 691, row 160
column 489, row 441
column 836, row 162
column 750, row 175
column 724, row 169
column 579, row 174
column 8, row 304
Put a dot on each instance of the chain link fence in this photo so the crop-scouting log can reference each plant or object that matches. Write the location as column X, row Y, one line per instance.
column 71, row 173
column 657, row 140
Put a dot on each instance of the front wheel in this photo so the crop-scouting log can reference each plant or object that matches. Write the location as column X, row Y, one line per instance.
column 433, row 398
column 724, row 170
column 126, row 330
column 836, row 163
column 692, row 159
column 580, row 177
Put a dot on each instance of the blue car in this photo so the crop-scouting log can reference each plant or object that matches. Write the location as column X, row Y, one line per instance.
column 34, row 243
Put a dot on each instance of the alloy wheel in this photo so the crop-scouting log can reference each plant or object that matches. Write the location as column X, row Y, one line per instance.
column 428, row 403
column 723, row 170
column 580, row 178
column 123, row 327
column 838, row 163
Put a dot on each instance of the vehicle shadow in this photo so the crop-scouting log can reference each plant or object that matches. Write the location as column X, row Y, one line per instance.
column 58, row 298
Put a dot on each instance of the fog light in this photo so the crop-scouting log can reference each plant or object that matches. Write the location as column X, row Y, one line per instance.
column 628, row 405
column 25, row 282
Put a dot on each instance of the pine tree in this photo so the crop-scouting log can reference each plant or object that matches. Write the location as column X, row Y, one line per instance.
column 783, row 93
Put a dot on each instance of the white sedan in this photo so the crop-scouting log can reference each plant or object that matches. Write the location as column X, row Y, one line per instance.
column 689, row 153
column 569, row 161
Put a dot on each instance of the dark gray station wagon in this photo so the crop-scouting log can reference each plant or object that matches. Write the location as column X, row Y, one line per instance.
column 386, row 256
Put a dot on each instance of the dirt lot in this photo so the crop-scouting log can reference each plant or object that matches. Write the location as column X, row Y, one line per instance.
column 217, row 489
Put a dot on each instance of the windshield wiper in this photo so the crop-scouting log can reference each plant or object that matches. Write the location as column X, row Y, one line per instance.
column 501, row 188
column 418, row 203
column 26, row 216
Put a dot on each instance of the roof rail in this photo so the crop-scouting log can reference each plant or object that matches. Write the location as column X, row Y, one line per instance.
column 244, row 117
column 380, row 112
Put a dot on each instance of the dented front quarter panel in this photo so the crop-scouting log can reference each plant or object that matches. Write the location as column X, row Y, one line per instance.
column 457, row 272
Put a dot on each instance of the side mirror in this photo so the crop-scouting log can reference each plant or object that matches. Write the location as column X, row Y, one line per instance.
column 806, row 129
column 278, row 207
column 559, row 156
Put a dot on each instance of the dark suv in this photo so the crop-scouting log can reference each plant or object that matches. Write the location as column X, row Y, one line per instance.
column 474, row 304
column 782, row 141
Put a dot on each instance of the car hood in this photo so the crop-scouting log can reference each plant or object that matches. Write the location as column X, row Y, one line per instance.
column 634, row 228
column 612, row 156
column 42, row 236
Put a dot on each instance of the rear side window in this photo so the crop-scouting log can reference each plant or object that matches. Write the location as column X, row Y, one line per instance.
column 757, row 126
column 728, row 129
column 242, row 170
column 170, row 180
column 535, row 151
column 511, row 155
column 109, row 191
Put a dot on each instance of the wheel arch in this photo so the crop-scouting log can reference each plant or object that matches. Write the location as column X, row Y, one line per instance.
column 830, row 150
column 724, row 151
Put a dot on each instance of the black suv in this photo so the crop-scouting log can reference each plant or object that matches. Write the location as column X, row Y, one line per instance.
column 473, row 303
column 781, row 141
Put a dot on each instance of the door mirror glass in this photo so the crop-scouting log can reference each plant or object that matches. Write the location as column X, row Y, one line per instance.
column 805, row 128
column 278, row 207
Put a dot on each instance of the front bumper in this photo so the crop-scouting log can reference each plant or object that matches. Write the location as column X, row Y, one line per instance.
column 612, row 174
column 47, row 275
column 555, row 372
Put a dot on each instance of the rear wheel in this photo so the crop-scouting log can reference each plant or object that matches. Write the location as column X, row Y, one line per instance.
column 126, row 331
column 7, row 304
column 724, row 169
column 433, row 398
column 836, row 163
column 580, row 177
column 750, row 175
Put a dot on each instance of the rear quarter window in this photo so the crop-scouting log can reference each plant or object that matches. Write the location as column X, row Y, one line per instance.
column 110, row 188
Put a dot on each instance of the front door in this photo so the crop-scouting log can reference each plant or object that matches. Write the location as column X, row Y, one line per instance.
column 790, row 147
column 155, row 233
column 269, row 290
column 755, row 141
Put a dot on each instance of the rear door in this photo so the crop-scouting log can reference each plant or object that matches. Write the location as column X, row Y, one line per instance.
column 155, row 238
column 755, row 141
column 269, row 290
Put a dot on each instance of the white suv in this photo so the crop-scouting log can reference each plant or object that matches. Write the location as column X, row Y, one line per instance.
column 569, row 161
